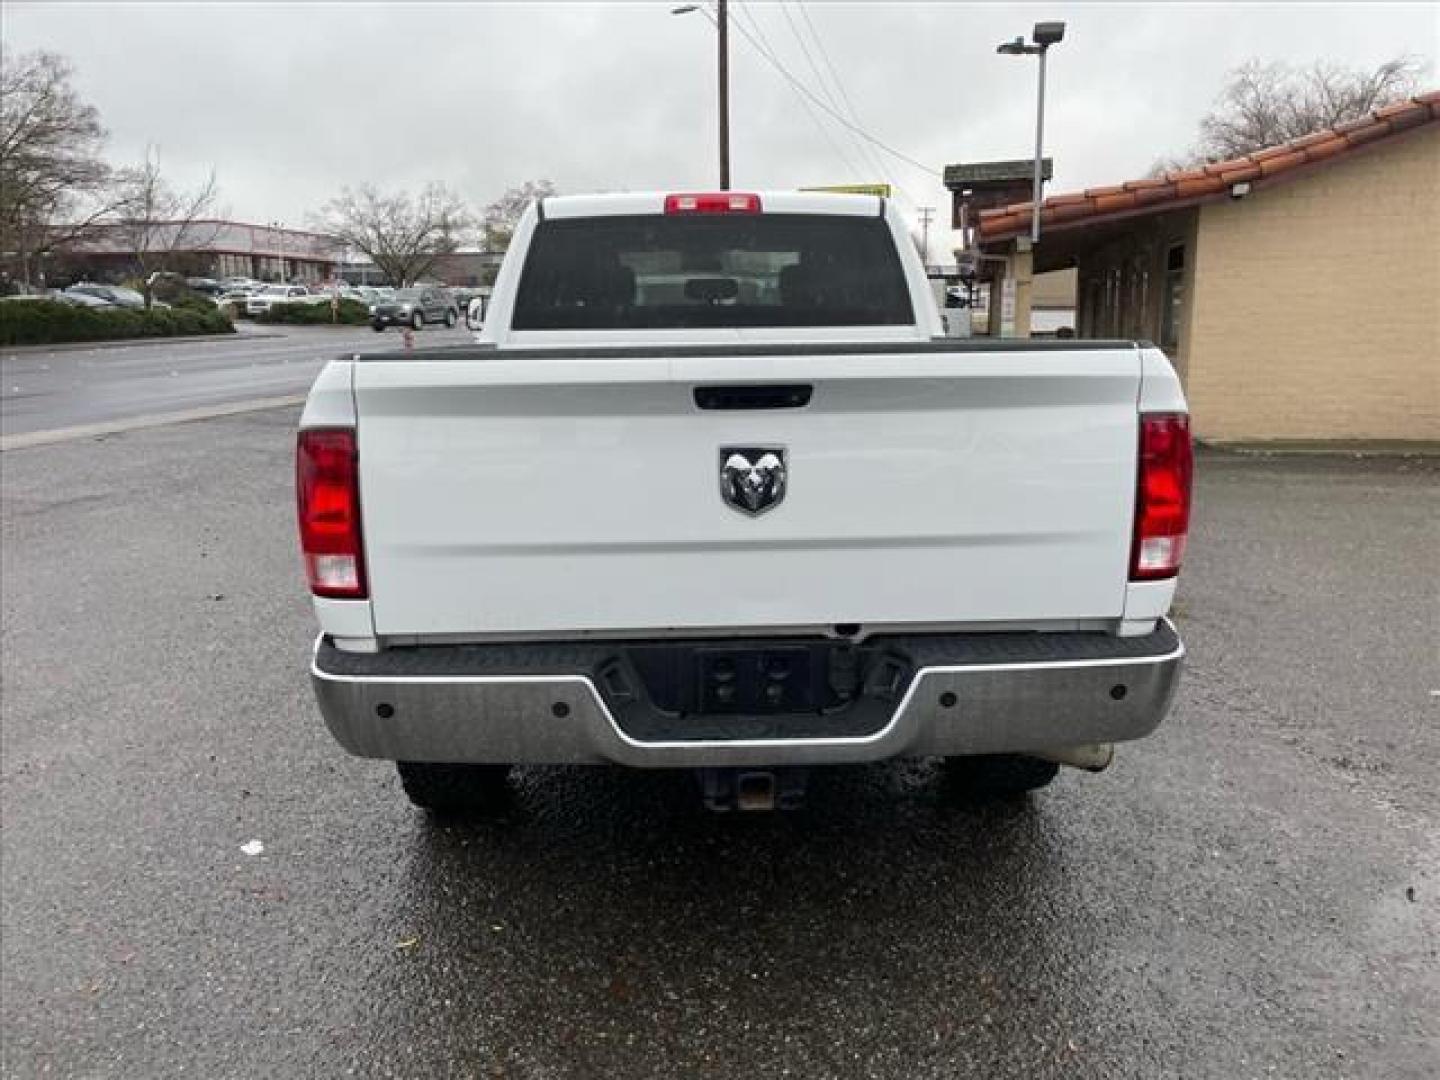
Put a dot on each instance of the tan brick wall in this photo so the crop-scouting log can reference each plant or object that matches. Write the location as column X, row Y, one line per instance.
column 1315, row 311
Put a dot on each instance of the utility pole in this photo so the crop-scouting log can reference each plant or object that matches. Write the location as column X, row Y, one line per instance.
column 926, row 213
column 722, row 24
column 279, row 229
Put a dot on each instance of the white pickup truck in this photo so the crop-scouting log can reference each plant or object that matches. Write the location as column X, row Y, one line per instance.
column 712, row 491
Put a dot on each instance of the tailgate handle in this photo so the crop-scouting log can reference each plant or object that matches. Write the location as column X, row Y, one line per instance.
column 771, row 396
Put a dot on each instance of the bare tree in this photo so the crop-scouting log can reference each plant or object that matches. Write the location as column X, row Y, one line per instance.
column 54, row 186
column 1267, row 104
column 503, row 214
column 404, row 235
column 157, row 222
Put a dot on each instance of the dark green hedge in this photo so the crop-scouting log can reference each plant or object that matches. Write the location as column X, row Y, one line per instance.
column 49, row 322
column 192, row 301
column 351, row 312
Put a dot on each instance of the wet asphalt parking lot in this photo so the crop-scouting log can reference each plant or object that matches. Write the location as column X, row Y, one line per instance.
column 113, row 384
column 1253, row 892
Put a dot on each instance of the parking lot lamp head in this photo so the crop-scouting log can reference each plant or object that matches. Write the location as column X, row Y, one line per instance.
column 1046, row 34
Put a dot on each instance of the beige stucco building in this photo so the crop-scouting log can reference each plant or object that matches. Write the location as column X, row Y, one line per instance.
column 1296, row 289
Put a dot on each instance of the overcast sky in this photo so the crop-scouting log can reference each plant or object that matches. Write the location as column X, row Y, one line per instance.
column 291, row 102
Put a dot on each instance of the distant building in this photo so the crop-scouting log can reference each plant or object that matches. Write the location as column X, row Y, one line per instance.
column 983, row 185
column 463, row 269
column 471, row 268
column 216, row 249
column 1296, row 289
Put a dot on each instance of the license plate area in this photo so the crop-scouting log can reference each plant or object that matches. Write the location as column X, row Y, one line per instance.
column 738, row 690
column 759, row 682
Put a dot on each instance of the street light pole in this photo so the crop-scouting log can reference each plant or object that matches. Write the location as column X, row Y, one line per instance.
column 1043, row 36
column 1039, row 149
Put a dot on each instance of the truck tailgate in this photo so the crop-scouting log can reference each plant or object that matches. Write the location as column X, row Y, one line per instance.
column 567, row 494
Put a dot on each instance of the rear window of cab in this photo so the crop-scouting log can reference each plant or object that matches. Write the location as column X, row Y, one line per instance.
column 650, row 271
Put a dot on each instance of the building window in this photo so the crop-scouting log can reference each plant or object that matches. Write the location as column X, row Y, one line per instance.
column 1173, row 299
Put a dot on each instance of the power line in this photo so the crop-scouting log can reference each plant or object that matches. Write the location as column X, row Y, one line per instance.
column 829, row 65
column 806, row 92
column 764, row 49
column 803, row 89
column 862, row 150
column 851, row 112
column 769, row 50
column 805, row 50
column 774, row 53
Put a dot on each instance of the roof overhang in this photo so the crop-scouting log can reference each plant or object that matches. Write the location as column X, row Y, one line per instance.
column 1215, row 182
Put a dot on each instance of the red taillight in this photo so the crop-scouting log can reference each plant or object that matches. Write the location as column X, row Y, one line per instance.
column 327, row 487
column 718, row 202
column 1162, row 496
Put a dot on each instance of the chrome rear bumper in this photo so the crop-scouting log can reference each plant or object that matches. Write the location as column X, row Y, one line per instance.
column 1014, row 693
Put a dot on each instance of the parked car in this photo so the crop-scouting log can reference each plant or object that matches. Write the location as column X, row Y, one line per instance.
column 208, row 286
column 113, row 294
column 238, row 297
column 270, row 295
column 79, row 299
column 414, row 308
column 766, row 520
column 57, row 296
column 463, row 296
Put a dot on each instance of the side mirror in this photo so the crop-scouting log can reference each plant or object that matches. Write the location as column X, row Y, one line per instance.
column 475, row 314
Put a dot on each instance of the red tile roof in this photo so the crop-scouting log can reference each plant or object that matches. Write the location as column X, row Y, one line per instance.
column 1161, row 193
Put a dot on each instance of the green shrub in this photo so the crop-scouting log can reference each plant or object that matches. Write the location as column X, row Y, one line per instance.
column 191, row 300
column 350, row 312
column 50, row 322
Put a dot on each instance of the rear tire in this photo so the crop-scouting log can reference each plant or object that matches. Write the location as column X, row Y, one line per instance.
column 456, row 790
column 986, row 777
column 378, row 327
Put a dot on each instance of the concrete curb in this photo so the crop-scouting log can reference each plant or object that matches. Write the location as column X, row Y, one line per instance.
column 9, row 351
column 113, row 427
column 1348, row 448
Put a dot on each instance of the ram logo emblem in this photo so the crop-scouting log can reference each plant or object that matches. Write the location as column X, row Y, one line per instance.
column 753, row 478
